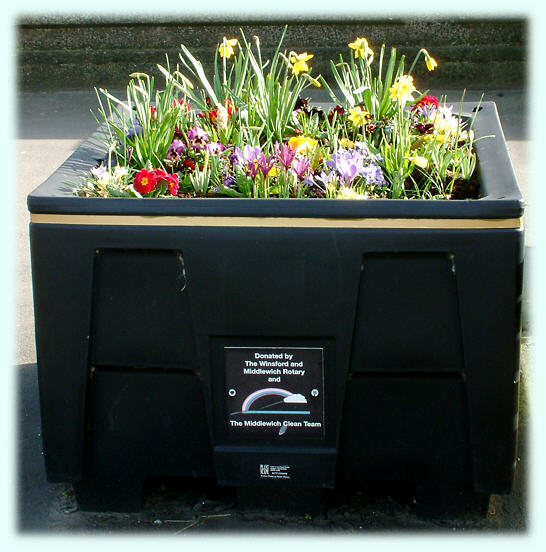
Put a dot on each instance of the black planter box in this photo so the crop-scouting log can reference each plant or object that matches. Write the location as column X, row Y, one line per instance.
column 280, row 343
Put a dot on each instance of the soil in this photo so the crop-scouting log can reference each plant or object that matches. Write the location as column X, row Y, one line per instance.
column 466, row 189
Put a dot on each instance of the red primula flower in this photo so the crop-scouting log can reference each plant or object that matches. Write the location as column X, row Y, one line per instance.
column 145, row 181
column 426, row 101
column 170, row 179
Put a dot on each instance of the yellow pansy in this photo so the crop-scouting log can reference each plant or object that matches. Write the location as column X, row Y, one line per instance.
column 430, row 61
column 440, row 138
column 419, row 161
column 226, row 49
column 358, row 116
column 361, row 48
column 402, row 89
column 302, row 144
column 299, row 62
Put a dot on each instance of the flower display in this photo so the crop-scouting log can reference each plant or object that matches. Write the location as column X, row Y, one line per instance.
column 248, row 130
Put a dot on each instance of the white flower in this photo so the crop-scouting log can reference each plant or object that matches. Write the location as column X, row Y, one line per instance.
column 120, row 172
column 444, row 121
column 221, row 117
column 349, row 193
column 98, row 172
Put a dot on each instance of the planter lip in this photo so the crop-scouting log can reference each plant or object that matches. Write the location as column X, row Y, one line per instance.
column 501, row 197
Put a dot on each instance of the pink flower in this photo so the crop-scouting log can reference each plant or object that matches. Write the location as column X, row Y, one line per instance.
column 300, row 166
column 285, row 154
column 214, row 148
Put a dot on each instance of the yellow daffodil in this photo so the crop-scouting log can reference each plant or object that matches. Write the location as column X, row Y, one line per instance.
column 418, row 160
column 402, row 89
column 302, row 144
column 299, row 62
column 430, row 61
column 346, row 143
column 358, row 116
column 226, row 49
column 361, row 48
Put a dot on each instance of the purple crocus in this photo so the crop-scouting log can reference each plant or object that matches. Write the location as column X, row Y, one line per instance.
column 300, row 164
column 348, row 165
column 324, row 179
column 251, row 156
column 98, row 172
column 314, row 183
column 266, row 163
column 285, row 154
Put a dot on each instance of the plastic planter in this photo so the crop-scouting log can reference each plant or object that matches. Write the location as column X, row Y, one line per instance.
column 280, row 344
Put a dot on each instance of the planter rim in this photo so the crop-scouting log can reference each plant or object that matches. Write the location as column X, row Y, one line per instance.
column 501, row 198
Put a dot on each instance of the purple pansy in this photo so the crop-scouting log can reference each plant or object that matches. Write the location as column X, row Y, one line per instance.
column 176, row 149
column 198, row 138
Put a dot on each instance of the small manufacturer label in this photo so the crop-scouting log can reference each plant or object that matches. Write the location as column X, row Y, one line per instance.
column 268, row 471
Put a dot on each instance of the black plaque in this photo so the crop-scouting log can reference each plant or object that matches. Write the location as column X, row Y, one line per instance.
column 275, row 392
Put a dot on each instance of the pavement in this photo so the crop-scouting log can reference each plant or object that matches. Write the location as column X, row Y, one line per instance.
column 49, row 128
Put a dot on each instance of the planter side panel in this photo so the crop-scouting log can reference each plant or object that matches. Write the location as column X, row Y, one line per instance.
column 437, row 310
column 62, row 278
column 288, row 287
